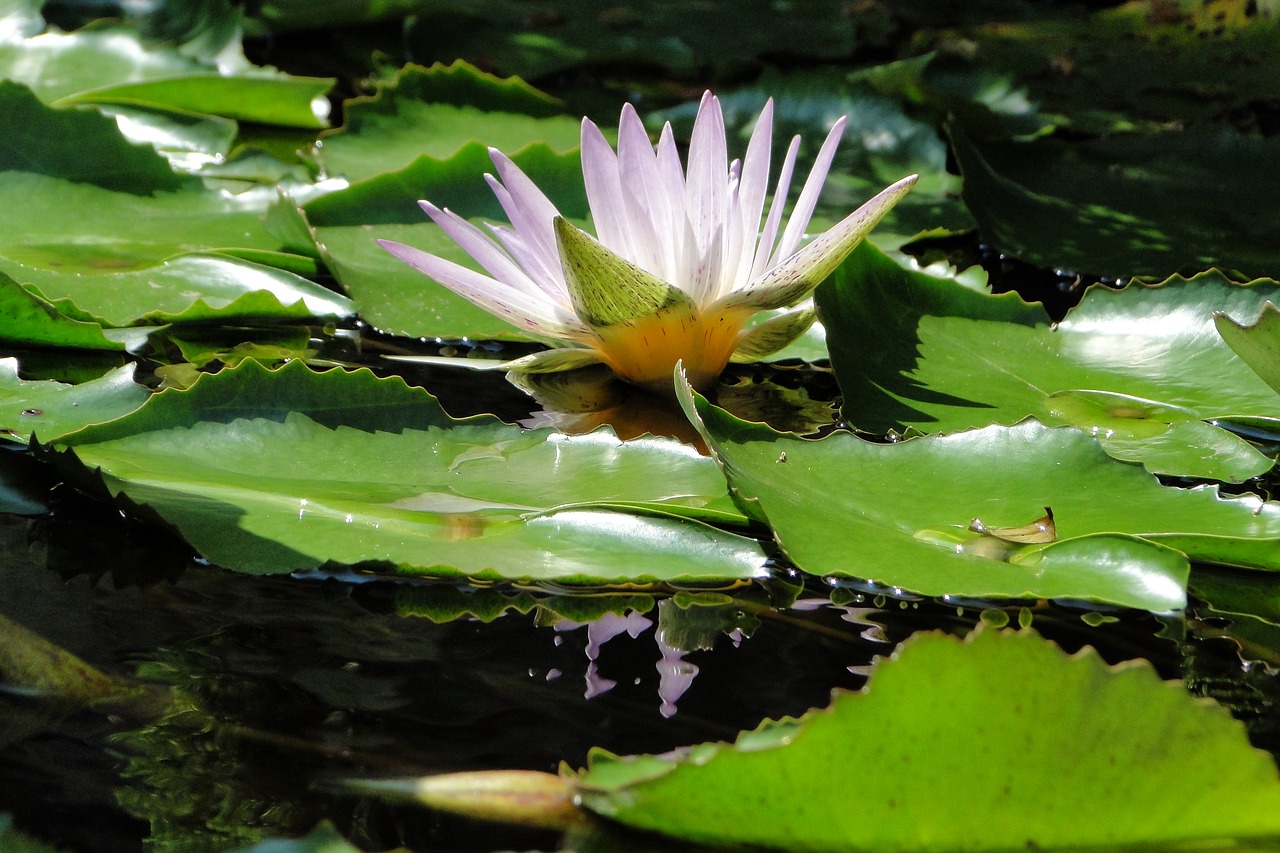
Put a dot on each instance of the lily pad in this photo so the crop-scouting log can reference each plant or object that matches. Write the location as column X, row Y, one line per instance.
column 197, row 287
column 901, row 514
column 52, row 409
column 276, row 471
column 1257, row 344
column 995, row 714
column 58, row 65
column 33, row 321
column 435, row 111
column 1178, row 201
column 69, row 227
column 76, row 144
column 917, row 349
column 259, row 97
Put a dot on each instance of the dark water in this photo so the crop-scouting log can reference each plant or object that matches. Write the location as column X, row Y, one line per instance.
column 288, row 685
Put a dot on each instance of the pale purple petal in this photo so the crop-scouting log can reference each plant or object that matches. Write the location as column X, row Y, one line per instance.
column 799, row 221
column 753, row 185
column 531, row 212
column 478, row 245
column 540, row 258
column 764, row 249
column 671, row 185
column 523, row 310
column 706, row 188
column 638, row 170
column 604, row 188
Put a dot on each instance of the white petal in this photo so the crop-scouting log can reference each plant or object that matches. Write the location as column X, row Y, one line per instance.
column 542, row 262
column 706, row 188
column 639, row 172
column 799, row 221
column 532, row 212
column 604, row 190
column 764, row 248
column 671, row 186
column 752, row 187
column 478, row 245
column 526, row 311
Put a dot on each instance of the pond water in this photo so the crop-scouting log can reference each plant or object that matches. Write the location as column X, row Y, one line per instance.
column 292, row 684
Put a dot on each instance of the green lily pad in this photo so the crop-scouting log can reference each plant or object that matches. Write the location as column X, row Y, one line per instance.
column 275, row 99
column 435, row 111
column 33, row 321
column 900, row 514
column 68, row 227
column 915, row 349
column 276, row 471
column 1178, row 201
column 52, row 409
column 1257, row 344
column 197, row 287
column 76, row 144
column 58, row 65
column 994, row 714
column 1142, row 65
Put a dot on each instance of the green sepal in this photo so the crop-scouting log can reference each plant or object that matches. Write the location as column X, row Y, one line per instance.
column 554, row 360
column 773, row 334
column 607, row 289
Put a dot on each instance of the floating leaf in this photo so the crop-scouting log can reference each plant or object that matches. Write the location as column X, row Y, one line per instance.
column 1258, row 344
column 275, row 471
column 52, row 409
column 31, row 320
column 1178, row 201
column 196, row 287
column 434, row 112
column 76, row 144
column 681, row 39
column 898, row 513
column 266, row 98
column 916, row 349
column 995, row 714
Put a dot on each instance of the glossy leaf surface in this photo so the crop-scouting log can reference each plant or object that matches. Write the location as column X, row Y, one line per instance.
column 1013, row 711
column 914, row 349
column 274, row 471
column 899, row 514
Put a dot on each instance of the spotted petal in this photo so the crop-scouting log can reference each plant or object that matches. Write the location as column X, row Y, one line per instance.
column 797, row 276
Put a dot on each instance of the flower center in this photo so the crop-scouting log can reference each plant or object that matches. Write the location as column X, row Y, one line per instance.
column 645, row 349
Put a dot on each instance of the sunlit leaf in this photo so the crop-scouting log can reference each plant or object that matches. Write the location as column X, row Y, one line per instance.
column 265, row 98
column 275, row 471
column 1258, row 344
column 899, row 514
column 916, row 349
column 76, row 144
column 52, row 409
column 188, row 288
column 1008, row 708
column 31, row 320
column 68, row 227
column 435, row 111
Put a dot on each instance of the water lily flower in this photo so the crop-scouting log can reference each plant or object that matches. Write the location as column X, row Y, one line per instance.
column 681, row 260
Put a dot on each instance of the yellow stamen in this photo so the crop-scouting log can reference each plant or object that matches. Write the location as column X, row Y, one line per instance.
column 644, row 350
